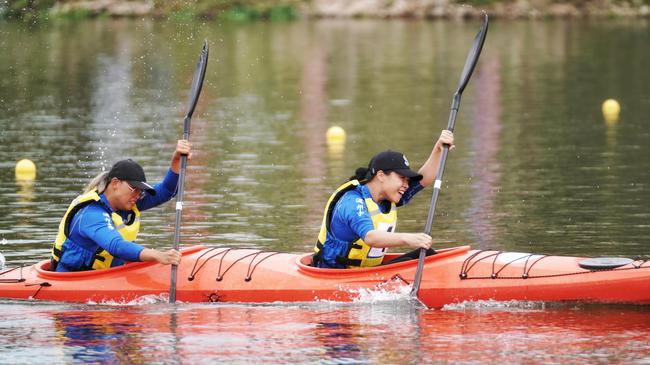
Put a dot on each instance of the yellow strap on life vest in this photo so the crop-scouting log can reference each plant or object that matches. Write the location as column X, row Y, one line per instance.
column 329, row 209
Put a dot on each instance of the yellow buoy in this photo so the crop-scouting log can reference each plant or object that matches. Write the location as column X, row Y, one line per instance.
column 335, row 135
column 611, row 110
column 25, row 170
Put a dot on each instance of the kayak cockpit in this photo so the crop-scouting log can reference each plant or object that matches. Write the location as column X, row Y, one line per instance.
column 43, row 268
column 304, row 262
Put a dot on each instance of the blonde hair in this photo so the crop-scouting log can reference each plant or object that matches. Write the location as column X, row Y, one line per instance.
column 99, row 182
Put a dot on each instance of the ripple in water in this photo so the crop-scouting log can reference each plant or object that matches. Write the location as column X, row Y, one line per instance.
column 494, row 305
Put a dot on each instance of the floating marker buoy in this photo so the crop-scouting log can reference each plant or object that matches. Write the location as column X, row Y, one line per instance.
column 335, row 135
column 25, row 170
column 611, row 110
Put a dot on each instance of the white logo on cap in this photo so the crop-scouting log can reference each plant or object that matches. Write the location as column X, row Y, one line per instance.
column 406, row 161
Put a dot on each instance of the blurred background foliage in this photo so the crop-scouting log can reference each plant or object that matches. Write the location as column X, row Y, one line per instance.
column 32, row 11
column 234, row 10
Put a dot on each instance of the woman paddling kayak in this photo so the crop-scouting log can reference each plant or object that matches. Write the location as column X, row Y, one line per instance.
column 360, row 216
column 100, row 225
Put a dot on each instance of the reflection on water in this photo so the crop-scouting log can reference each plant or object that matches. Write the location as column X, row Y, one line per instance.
column 314, row 115
column 25, row 192
column 329, row 332
column 485, row 139
column 536, row 169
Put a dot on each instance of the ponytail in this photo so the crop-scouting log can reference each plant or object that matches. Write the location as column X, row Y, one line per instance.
column 362, row 174
column 99, row 182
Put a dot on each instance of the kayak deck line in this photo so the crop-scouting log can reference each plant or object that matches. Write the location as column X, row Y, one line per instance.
column 475, row 258
column 223, row 253
column 12, row 281
column 21, row 279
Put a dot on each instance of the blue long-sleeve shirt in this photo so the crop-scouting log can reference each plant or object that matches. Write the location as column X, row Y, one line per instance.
column 92, row 227
column 351, row 219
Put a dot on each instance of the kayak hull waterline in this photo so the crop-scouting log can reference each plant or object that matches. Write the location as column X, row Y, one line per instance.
column 453, row 275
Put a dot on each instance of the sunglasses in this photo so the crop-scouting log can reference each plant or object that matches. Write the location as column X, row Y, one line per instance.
column 135, row 190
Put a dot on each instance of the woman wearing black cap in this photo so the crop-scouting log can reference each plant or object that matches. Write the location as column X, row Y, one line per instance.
column 100, row 225
column 360, row 216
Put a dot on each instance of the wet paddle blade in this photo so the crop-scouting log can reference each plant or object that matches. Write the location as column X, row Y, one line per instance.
column 474, row 53
column 197, row 84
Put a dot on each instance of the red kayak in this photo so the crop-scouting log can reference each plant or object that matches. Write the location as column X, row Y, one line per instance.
column 217, row 274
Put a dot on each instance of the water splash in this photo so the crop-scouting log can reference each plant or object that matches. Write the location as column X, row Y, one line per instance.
column 389, row 291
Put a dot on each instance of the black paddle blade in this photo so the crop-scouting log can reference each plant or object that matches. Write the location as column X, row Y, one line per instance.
column 472, row 57
column 197, row 83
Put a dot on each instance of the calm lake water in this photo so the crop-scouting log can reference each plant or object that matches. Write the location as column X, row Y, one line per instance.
column 536, row 169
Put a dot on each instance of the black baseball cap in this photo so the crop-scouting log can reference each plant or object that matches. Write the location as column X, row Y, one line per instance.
column 392, row 161
column 129, row 171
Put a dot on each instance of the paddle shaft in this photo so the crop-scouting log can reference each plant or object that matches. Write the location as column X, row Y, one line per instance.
column 179, row 211
column 470, row 64
column 441, row 169
column 436, row 191
column 197, row 84
column 437, row 185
